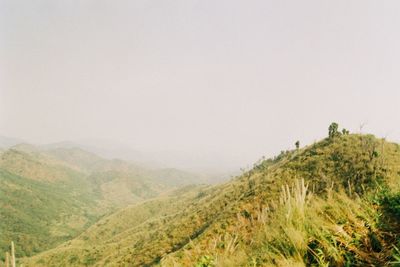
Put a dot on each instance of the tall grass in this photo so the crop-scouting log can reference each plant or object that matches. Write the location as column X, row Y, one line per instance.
column 308, row 230
column 10, row 259
column 301, row 229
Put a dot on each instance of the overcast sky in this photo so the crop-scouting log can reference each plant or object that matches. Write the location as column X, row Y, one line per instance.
column 224, row 78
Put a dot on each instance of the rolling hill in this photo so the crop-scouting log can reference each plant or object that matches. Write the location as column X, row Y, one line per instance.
column 335, row 202
column 50, row 196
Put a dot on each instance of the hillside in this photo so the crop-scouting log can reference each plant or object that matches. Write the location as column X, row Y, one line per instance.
column 50, row 196
column 39, row 215
column 335, row 202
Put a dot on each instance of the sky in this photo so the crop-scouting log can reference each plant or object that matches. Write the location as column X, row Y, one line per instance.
column 228, row 80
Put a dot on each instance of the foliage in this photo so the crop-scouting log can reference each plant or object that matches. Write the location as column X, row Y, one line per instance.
column 205, row 261
column 396, row 257
column 297, row 144
column 49, row 197
column 391, row 202
column 322, row 205
column 333, row 130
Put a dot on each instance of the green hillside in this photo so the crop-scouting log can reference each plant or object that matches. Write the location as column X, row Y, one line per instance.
column 336, row 202
column 50, row 196
column 39, row 215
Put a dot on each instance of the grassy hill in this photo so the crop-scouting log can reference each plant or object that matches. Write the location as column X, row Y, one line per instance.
column 336, row 202
column 50, row 196
column 39, row 215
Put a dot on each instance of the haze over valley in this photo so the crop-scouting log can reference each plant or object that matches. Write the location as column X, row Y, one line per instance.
column 199, row 133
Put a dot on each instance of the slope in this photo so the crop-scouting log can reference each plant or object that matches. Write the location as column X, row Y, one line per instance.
column 38, row 215
column 50, row 196
column 317, row 205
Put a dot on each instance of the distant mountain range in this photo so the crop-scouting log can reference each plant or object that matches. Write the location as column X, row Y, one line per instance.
column 213, row 166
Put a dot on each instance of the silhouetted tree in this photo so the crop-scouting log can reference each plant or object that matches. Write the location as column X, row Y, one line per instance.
column 297, row 144
column 333, row 130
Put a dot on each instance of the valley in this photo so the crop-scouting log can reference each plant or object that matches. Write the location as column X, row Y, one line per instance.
column 332, row 202
column 199, row 133
column 50, row 196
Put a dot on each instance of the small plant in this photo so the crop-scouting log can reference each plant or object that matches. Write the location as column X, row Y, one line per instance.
column 392, row 203
column 10, row 258
column 396, row 256
column 205, row 261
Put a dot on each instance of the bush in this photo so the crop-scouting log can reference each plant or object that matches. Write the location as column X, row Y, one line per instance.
column 205, row 261
column 391, row 202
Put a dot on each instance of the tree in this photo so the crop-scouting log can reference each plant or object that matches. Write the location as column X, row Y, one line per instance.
column 297, row 144
column 333, row 130
column 344, row 131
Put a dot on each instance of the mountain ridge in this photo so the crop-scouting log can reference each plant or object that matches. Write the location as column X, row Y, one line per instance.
column 225, row 225
column 59, row 193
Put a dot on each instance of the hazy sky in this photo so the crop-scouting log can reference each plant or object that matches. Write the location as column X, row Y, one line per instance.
column 229, row 79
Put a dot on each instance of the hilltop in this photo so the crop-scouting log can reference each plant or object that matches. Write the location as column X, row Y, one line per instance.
column 335, row 202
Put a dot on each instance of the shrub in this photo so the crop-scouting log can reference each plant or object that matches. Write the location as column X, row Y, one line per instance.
column 205, row 261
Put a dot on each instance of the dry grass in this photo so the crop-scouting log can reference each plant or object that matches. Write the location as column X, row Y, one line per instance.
column 270, row 217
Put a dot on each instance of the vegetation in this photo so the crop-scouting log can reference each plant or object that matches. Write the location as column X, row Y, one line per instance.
column 48, row 197
column 335, row 202
column 10, row 257
column 297, row 144
column 39, row 215
column 333, row 130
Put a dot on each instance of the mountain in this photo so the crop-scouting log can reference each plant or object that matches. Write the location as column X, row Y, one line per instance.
column 105, row 149
column 43, row 201
column 213, row 164
column 48, row 196
column 6, row 142
column 336, row 202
